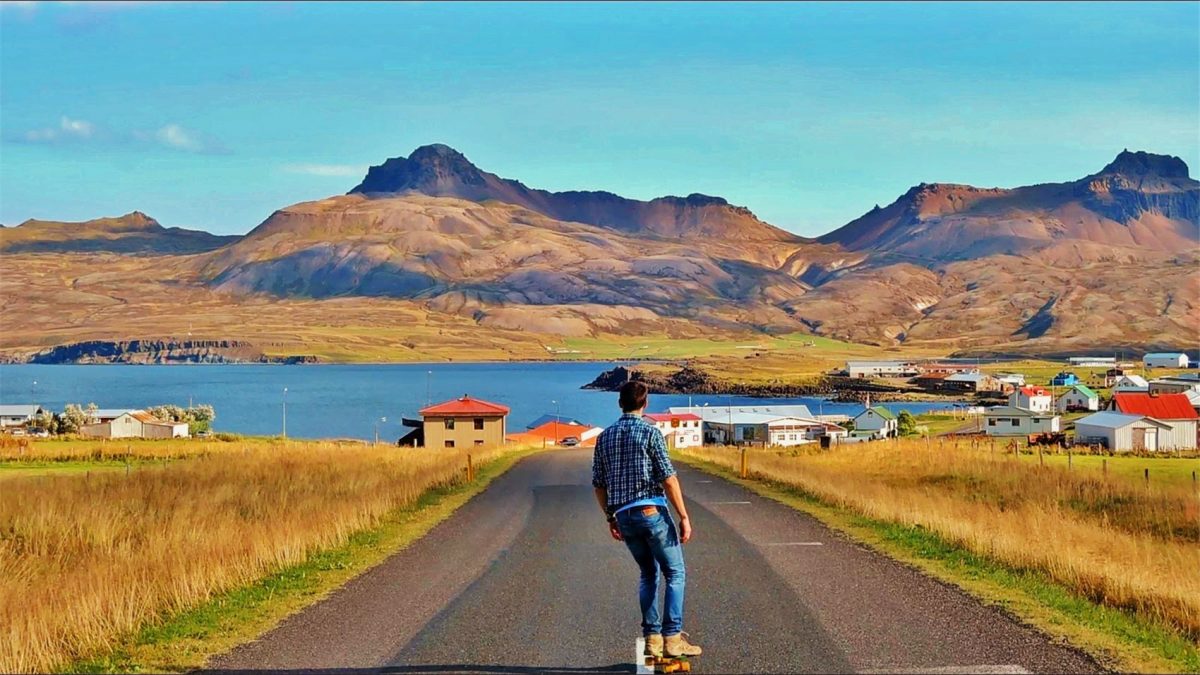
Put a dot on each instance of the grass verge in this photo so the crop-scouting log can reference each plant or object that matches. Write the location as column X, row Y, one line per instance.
column 186, row 640
column 1119, row 640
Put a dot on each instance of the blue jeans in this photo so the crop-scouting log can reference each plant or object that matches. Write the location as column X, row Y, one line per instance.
column 650, row 534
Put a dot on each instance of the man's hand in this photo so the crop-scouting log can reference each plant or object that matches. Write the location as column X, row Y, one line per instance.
column 614, row 531
column 685, row 529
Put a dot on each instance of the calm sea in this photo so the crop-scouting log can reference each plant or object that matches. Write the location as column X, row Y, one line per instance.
column 346, row 401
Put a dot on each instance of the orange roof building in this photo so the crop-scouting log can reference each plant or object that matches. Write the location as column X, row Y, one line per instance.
column 464, row 423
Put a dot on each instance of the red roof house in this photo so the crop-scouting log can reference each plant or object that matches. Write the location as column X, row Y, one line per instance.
column 672, row 417
column 1035, row 391
column 1158, row 406
column 464, row 407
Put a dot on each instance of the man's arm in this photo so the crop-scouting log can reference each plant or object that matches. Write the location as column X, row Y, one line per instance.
column 675, row 496
column 602, row 498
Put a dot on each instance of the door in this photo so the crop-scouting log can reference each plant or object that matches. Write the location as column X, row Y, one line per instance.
column 1152, row 439
column 1139, row 439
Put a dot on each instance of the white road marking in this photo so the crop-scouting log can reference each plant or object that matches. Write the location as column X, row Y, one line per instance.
column 704, row 481
column 794, row 543
column 985, row 669
column 639, row 658
column 719, row 503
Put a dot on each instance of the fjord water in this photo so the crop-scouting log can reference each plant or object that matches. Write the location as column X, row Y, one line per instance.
column 346, row 401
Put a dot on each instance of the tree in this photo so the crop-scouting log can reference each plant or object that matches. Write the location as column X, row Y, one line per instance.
column 73, row 417
column 906, row 424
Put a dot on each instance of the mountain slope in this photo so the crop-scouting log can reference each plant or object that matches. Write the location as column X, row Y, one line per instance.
column 498, row 261
column 131, row 233
column 1138, row 201
column 441, row 171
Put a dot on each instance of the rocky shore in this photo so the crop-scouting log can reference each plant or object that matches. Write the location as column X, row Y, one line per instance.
column 690, row 380
column 156, row 352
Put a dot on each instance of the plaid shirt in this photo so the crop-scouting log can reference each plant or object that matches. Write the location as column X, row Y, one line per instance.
column 630, row 461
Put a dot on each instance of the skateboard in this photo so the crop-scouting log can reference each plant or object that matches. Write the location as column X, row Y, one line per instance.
column 669, row 664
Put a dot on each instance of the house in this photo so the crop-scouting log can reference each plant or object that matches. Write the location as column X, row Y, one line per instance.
column 1013, row 379
column 1112, row 375
column 682, row 430
column 1174, row 409
column 463, row 423
column 18, row 415
column 1165, row 360
column 973, row 382
column 562, row 419
column 1120, row 432
column 1064, row 379
column 109, row 414
column 879, row 369
column 1007, row 420
column 1130, row 384
column 878, row 420
column 760, row 429
column 947, row 368
column 1035, row 399
column 553, row 433
column 1092, row 361
column 135, row 424
column 1078, row 397
column 1175, row 384
column 931, row 381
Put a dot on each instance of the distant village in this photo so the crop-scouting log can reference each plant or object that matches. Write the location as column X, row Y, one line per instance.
column 1138, row 415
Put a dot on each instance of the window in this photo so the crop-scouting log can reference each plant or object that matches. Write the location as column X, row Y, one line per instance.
column 991, row 423
column 449, row 422
column 478, row 424
column 1016, row 422
column 478, row 443
column 449, row 444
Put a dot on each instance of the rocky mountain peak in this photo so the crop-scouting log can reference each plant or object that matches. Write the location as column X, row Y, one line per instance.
column 1146, row 164
column 434, row 169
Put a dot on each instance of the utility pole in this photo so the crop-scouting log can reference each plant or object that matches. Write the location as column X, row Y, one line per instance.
column 557, row 408
column 285, row 413
column 428, row 388
column 381, row 419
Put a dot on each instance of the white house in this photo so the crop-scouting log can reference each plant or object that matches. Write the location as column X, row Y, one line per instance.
column 757, row 428
column 878, row 420
column 1092, row 361
column 136, row 424
column 1165, row 360
column 1078, row 397
column 1176, row 384
column 1175, row 410
column 879, row 369
column 1036, row 399
column 1007, row 420
column 1130, row 384
column 684, row 426
column 18, row 415
column 1014, row 379
column 1120, row 432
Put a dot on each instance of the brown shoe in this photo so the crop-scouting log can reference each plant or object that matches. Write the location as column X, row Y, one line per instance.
column 654, row 646
column 677, row 645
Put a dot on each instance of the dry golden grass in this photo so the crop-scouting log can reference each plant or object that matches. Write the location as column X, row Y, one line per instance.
column 101, row 450
column 85, row 560
column 1116, row 542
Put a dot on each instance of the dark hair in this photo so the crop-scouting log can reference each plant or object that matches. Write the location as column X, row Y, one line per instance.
column 633, row 396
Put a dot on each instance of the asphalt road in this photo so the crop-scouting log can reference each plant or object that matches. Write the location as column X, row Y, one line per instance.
column 524, row 578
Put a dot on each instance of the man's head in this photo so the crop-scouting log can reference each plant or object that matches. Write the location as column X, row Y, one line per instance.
column 633, row 396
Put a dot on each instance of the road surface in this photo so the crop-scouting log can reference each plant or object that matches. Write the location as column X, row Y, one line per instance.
column 525, row 578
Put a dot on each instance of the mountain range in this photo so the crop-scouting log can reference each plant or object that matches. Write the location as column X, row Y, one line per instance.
column 1102, row 262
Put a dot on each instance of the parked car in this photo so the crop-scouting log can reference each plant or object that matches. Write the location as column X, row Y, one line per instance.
column 570, row 441
column 40, row 433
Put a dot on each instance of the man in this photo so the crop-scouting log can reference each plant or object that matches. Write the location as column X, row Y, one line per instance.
column 631, row 473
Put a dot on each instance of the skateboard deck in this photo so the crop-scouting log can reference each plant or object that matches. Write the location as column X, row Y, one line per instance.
column 669, row 664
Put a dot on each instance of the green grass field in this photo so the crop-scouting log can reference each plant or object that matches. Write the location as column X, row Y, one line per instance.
column 68, row 468
column 1163, row 470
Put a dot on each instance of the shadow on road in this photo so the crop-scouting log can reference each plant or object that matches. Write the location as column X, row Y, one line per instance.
column 438, row 668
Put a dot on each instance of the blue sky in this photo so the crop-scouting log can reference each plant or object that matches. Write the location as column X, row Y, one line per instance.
column 214, row 115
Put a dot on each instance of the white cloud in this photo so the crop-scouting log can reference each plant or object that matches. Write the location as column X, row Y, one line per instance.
column 170, row 136
column 175, row 136
column 67, row 129
column 326, row 169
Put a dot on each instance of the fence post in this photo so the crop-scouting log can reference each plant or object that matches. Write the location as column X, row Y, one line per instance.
column 1068, row 459
column 745, row 468
column 1146, row 473
column 1104, row 467
column 470, row 469
column 1041, row 461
